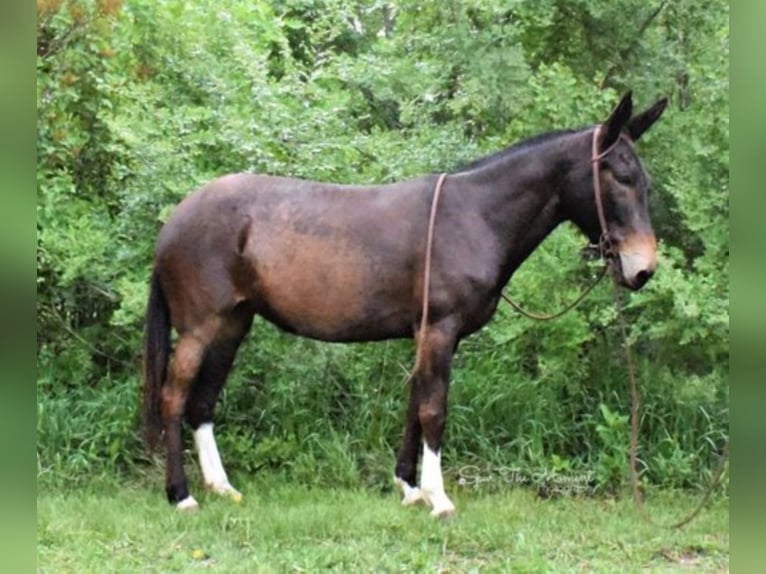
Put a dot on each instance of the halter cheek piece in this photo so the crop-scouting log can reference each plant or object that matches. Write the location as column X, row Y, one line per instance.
column 604, row 246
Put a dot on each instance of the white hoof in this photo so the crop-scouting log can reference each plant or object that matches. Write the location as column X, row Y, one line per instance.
column 226, row 490
column 412, row 494
column 440, row 504
column 188, row 504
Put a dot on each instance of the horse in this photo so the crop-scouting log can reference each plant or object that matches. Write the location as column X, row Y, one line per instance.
column 347, row 263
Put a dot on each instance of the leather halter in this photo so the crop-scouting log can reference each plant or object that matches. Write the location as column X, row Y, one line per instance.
column 604, row 243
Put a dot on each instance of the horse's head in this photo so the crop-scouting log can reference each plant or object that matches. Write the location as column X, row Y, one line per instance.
column 621, row 185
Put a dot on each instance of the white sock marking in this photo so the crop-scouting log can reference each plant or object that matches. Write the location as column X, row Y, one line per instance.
column 210, row 462
column 432, row 483
column 412, row 494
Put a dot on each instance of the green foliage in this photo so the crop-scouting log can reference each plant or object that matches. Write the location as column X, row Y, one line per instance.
column 140, row 102
column 71, row 448
column 612, row 433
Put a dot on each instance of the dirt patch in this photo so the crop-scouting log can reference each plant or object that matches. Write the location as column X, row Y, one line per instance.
column 688, row 557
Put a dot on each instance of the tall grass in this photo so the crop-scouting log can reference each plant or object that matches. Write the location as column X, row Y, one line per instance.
column 87, row 431
column 325, row 414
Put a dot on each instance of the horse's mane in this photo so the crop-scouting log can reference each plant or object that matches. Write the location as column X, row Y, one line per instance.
column 518, row 147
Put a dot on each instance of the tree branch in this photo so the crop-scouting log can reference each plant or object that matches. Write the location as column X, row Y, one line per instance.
column 625, row 52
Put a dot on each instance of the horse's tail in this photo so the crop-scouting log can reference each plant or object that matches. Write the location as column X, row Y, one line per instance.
column 156, row 354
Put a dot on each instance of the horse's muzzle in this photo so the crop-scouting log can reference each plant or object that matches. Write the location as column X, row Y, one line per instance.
column 637, row 260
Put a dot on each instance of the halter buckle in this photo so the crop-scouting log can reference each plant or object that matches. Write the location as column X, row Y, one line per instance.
column 606, row 247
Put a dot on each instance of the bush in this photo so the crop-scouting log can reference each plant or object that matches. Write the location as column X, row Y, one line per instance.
column 141, row 102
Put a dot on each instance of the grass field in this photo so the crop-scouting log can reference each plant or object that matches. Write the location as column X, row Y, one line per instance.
column 129, row 527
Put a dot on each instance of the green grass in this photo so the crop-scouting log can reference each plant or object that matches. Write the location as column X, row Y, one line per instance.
column 128, row 527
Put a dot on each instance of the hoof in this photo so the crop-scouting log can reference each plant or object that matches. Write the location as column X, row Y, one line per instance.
column 228, row 491
column 188, row 504
column 445, row 512
column 234, row 495
column 413, row 497
column 441, row 505
column 412, row 494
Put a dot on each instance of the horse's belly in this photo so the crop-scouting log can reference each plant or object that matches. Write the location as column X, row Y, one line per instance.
column 331, row 292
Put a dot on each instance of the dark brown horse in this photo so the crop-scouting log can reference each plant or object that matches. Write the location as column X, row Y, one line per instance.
column 346, row 263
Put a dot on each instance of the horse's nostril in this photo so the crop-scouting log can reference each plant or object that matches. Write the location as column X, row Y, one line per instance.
column 642, row 277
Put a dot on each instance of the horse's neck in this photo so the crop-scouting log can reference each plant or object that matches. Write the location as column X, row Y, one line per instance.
column 521, row 203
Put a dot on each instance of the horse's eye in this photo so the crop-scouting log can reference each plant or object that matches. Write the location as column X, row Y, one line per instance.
column 623, row 178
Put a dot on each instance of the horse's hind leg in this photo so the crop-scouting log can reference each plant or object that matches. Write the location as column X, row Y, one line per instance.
column 200, row 406
column 184, row 367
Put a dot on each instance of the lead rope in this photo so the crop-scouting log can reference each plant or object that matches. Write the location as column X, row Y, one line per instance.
column 635, row 401
column 565, row 310
column 427, row 271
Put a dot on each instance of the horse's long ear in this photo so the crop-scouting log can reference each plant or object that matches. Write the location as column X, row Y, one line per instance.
column 618, row 119
column 643, row 121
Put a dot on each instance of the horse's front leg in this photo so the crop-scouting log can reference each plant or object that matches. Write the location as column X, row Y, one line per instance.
column 426, row 419
column 405, row 475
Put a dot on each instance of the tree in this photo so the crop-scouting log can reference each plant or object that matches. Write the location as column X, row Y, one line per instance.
column 140, row 102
